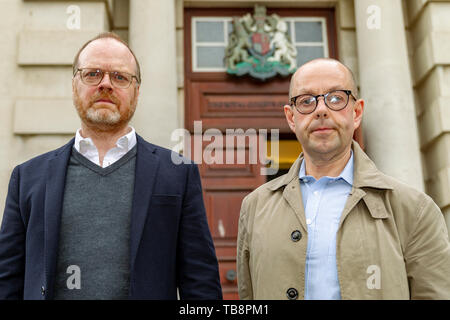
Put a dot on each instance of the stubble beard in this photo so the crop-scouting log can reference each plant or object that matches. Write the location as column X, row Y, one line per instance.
column 103, row 118
column 321, row 148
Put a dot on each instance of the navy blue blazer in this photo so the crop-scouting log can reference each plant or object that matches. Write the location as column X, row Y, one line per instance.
column 170, row 246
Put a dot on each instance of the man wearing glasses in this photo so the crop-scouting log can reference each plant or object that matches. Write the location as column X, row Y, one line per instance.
column 108, row 215
column 335, row 227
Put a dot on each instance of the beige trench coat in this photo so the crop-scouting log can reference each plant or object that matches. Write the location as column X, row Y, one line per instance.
column 392, row 242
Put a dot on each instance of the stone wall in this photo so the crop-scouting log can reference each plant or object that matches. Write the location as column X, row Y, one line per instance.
column 428, row 28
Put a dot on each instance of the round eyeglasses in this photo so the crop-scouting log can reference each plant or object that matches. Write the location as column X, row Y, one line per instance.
column 335, row 100
column 93, row 76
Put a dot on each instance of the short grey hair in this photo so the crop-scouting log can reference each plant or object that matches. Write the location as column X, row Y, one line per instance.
column 107, row 35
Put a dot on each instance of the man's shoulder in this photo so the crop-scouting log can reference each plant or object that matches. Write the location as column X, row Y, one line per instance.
column 404, row 192
column 168, row 157
column 406, row 202
column 43, row 158
column 370, row 178
column 266, row 191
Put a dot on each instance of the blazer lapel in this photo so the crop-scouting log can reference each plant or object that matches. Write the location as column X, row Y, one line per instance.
column 54, row 193
column 147, row 164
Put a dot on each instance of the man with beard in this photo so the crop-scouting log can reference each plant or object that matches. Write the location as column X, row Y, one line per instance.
column 108, row 215
column 334, row 226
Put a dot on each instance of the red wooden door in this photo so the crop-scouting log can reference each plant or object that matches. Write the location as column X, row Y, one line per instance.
column 224, row 188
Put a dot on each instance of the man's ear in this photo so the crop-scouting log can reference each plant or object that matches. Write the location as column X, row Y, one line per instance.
column 358, row 110
column 289, row 113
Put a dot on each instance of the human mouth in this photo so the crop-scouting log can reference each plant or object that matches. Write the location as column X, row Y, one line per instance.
column 322, row 130
column 104, row 101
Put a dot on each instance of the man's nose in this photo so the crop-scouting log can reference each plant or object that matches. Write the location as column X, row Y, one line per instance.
column 322, row 109
column 106, row 82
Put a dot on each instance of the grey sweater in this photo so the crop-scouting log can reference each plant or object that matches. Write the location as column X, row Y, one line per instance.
column 94, row 242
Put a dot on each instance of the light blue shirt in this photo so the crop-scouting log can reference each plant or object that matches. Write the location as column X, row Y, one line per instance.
column 324, row 201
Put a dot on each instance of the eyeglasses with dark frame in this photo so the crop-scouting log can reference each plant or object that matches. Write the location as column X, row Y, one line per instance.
column 335, row 100
column 93, row 76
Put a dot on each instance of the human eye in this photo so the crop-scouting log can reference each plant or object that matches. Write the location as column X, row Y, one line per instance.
column 306, row 100
column 123, row 77
column 91, row 73
column 336, row 97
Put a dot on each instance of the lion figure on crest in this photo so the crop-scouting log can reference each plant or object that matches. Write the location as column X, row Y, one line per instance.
column 285, row 52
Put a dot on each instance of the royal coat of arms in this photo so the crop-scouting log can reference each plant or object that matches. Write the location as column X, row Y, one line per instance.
column 259, row 45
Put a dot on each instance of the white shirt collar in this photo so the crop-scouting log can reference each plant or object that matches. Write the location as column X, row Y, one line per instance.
column 87, row 148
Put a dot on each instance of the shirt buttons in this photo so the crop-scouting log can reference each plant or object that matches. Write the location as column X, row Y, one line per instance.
column 296, row 235
column 308, row 221
column 292, row 294
column 316, row 193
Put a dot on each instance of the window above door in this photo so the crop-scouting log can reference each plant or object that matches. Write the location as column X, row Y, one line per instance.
column 209, row 39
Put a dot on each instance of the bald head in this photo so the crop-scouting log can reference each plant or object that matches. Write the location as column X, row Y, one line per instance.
column 322, row 65
column 110, row 37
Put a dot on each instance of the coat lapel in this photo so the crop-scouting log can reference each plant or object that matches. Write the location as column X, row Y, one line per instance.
column 292, row 193
column 293, row 196
column 147, row 164
column 365, row 175
column 54, row 193
column 354, row 197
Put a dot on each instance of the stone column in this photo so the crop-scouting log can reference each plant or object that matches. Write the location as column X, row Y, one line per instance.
column 390, row 127
column 152, row 38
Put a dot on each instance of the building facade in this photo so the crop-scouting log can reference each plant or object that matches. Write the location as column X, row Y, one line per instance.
column 399, row 51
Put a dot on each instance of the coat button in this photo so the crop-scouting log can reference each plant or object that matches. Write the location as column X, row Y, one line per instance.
column 296, row 235
column 43, row 290
column 292, row 294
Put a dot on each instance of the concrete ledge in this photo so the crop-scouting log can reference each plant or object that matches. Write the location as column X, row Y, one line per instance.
column 432, row 51
column 416, row 7
column 436, row 155
column 250, row 3
column 346, row 14
column 179, row 14
column 45, row 116
column 439, row 187
column 121, row 13
column 430, row 88
column 435, row 120
column 348, row 51
column 51, row 47
column 433, row 19
column 60, row 15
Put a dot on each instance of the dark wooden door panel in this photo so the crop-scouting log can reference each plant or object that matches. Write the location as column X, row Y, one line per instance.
column 223, row 207
column 240, row 104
